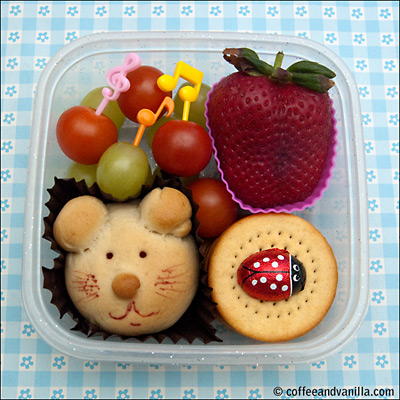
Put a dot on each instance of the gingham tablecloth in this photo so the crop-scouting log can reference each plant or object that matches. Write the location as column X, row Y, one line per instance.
column 364, row 35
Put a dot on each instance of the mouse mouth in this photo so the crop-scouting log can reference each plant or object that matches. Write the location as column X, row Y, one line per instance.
column 132, row 306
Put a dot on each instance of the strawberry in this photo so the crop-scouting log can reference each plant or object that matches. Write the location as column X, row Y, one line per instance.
column 272, row 128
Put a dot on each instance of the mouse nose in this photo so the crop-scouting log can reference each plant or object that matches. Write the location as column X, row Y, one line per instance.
column 125, row 285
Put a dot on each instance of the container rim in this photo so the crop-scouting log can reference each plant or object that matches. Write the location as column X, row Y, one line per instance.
column 285, row 352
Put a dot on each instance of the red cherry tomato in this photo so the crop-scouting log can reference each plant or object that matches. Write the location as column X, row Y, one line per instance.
column 143, row 92
column 182, row 148
column 217, row 211
column 84, row 136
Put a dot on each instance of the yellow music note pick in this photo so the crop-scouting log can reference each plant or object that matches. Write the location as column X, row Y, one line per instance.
column 188, row 94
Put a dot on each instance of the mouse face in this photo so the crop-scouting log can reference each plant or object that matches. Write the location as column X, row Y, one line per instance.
column 131, row 276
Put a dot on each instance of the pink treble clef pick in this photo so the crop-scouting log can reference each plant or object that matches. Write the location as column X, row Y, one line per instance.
column 116, row 78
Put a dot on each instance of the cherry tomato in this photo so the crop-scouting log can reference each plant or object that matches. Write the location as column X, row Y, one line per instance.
column 84, row 136
column 217, row 211
column 143, row 92
column 182, row 148
column 94, row 98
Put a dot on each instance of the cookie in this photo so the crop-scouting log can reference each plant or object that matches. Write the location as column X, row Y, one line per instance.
column 255, row 316
column 131, row 268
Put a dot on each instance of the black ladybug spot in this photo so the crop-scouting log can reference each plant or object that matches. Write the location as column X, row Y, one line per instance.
column 110, row 255
column 142, row 254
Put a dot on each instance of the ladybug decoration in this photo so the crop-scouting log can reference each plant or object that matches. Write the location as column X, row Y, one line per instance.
column 271, row 275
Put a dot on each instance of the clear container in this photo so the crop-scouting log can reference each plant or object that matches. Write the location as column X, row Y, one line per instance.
column 341, row 214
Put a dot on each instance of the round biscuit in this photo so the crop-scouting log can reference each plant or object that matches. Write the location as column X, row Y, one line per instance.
column 264, row 320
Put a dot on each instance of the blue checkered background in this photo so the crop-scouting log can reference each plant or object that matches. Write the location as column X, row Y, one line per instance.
column 363, row 34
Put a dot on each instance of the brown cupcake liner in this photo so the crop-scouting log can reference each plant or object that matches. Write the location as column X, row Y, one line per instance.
column 195, row 322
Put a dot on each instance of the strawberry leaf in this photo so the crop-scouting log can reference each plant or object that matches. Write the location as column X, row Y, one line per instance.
column 312, row 68
column 247, row 60
column 244, row 52
column 317, row 82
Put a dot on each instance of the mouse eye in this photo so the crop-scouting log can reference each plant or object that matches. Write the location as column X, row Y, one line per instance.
column 142, row 254
column 110, row 255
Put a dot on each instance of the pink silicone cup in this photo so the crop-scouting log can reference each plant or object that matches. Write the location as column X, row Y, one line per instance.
column 299, row 205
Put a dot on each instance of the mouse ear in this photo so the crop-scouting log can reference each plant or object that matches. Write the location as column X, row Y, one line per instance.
column 167, row 211
column 78, row 221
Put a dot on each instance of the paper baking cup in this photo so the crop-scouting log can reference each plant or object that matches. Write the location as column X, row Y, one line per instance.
column 195, row 322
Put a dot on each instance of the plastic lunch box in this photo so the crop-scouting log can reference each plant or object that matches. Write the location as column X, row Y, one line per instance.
column 341, row 214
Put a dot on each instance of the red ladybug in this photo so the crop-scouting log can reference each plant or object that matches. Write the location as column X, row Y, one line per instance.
column 271, row 275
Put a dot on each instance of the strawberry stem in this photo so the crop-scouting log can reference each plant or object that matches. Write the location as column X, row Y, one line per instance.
column 278, row 60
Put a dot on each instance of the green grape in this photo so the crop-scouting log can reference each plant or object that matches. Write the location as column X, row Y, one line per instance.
column 151, row 130
column 122, row 170
column 112, row 110
column 82, row 171
column 150, row 178
column 197, row 108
